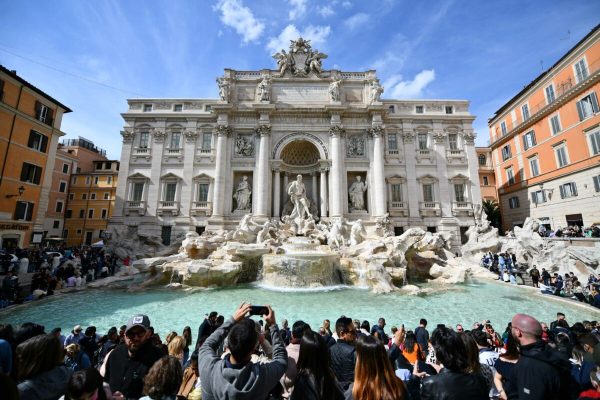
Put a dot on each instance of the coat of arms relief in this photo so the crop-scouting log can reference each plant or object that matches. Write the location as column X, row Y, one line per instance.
column 301, row 59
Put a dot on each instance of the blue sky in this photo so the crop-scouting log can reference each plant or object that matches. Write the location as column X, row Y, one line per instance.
column 93, row 55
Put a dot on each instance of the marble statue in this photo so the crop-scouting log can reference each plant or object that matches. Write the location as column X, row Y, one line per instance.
column 264, row 89
column 242, row 195
column 356, row 192
column 297, row 192
column 357, row 233
column 244, row 147
column 376, row 91
column 334, row 90
column 246, row 230
column 336, row 234
column 264, row 235
column 313, row 62
column 383, row 225
column 285, row 61
column 223, row 88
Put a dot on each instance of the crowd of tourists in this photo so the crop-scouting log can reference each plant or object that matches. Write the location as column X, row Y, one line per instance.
column 571, row 231
column 53, row 269
column 240, row 358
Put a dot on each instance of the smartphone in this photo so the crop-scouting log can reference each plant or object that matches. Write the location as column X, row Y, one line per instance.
column 259, row 310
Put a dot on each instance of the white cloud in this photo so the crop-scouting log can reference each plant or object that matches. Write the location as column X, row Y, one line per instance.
column 346, row 4
column 241, row 18
column 316, row 34
column 357, row 20
column 325, row 11
column 298, row 9
column 409, row 89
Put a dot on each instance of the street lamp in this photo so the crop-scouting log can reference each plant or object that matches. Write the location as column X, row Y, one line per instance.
column 21, row 190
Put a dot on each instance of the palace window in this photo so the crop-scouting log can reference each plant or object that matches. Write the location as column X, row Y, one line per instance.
column 144, row 139
column 525, row 111
column 178, row 107
column 106, row 195
column 93, row 196
column 104, row 213
column 24, row 211
column 562, row 158
column 175, row 140
column 37, row 141
column 137, row 191
column 555, row 124
column 510, row 176
column 202, row 192
column 81, row 213
column 538, row 197
column 397, row 192
column 43, row 113
column 428, row 192
column 392, row 141
column 529, row 140
column 62, row 186
column 55, row 224
column 459, row 192
column 597, row 183
column 568, row 190
column 513, row 202
column 31, row 173
column 169, row 191
column 449, row 110
column 59, row 207
column 506, row 153
column 206, row 140
column 482, row 159
column 594, row 139
column 486, row 181
column 587, row 106
column 65, row 168
column 422, row 141
column 550, row 97
column 147, row 107
column 534, row 166
column 453, row 141
column 419, row 109
column 581, row 71
column 91, row 213
column 503, row 128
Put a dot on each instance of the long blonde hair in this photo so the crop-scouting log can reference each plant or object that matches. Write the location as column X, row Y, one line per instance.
column 177, row 346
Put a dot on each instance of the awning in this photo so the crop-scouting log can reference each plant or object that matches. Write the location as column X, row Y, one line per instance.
column 98, row 244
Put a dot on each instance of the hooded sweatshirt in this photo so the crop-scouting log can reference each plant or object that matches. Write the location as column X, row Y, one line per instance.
column 251, row 381
column 47, row 385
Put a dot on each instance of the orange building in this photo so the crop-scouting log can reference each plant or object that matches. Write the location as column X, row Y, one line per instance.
column 64, row 164
column 546, row 143
column 91, row 203
column 487, row 176
column 29, row 131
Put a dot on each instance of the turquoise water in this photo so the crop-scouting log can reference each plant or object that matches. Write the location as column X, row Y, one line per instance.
column 173, row 309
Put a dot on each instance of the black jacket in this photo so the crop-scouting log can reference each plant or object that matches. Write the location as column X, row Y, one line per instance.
column 343, row 360
column 305, row 388
column 450, row 385
column 126, row 374
column 543, row 373
column 204, row 331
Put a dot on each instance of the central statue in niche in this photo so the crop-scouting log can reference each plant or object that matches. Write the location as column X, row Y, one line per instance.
column 297, row 193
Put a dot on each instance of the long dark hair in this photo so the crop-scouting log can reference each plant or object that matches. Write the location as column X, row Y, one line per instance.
column 39, row 354
column 471, row 353
column 374, row 377
column 449, row 349
column 314, row 359
column 409, row 341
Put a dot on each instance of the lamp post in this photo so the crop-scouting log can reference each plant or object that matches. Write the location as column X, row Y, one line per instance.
column 21, row 190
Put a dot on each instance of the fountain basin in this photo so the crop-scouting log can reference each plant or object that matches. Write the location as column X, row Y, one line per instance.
column 301, row 270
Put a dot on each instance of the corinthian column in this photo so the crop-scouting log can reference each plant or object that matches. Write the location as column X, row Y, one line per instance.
column 223, row 132
column 379, row 192
column 262, row 198
column 323, row 192
column 336, row 131
column 276, row 192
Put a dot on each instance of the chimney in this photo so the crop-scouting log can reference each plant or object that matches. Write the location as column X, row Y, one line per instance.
column 14, row 71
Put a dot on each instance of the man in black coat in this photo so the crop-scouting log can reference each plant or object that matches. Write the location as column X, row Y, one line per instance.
column 129, row 363
column 541, row 372
column 206, row 328
column 343, row 353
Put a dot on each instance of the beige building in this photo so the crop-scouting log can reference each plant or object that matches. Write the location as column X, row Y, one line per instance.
column 487, row 176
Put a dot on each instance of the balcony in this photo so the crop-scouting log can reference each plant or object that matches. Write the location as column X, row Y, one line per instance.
column 201, row 208
column 456, row 156
column 174, row 151
column 398, row 209
column 168, row 207
column 462, row 208
column 425, row 154
column 142, row 150
column 204, row 155
column 137, row 206
column 430, row 209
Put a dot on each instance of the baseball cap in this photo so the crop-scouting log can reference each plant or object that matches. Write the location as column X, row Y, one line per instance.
column 140, row 320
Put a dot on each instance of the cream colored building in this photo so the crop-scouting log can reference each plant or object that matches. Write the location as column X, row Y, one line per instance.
column 191, row 164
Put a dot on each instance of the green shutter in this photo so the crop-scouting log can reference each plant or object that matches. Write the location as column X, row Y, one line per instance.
column 44, row 145
column 594, row 102
column 580, row 110
column 37, row 177
column 29, row 215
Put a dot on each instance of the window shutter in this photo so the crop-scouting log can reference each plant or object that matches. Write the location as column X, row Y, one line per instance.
column 594, row 102
column 38, row 109
column 20, row 210
column 49, row 116
column 29, row 215
column 534, row 198
column 597, row 183
column 525, row 142
column 574, row 188
column 543, row 196
column 562, row 191
column 533, row 138
column 44, row 143
column 24, row 172
column 31, row 138
column 580, row 110
column 37, row 175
